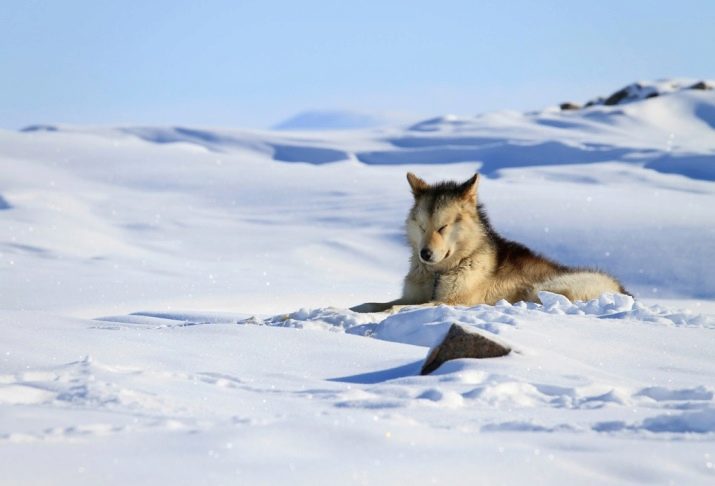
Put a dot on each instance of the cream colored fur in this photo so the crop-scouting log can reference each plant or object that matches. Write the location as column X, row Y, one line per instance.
column 579, row 285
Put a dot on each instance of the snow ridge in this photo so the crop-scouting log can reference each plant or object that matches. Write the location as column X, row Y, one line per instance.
column 426, row 326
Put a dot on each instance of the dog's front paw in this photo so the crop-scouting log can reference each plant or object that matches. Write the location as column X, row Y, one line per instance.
column 366, row 307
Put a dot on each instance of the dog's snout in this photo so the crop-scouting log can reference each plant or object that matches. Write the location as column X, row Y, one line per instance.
column 426, row 254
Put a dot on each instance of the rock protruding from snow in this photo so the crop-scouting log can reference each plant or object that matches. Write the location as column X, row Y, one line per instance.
column 462, row 342
column 646, row 90
column 569, row 105
column 4, row 204
column 702, row 85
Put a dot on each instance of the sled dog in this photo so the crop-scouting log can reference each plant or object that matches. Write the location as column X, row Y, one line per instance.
column 458, row 259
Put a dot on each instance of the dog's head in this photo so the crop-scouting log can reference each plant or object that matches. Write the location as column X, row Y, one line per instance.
column 443, row 224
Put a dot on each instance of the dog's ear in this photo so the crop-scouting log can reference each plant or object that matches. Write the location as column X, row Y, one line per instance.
column 418, row 185
column 469, row 188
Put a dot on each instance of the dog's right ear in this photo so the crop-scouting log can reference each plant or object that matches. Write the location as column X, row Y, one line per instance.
column 418, row 185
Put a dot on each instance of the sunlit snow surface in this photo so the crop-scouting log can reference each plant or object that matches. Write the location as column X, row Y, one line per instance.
column 174, row 304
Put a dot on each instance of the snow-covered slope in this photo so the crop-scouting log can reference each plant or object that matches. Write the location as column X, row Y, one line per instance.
column 606, row 392
column 671, row 133
column 195, row 248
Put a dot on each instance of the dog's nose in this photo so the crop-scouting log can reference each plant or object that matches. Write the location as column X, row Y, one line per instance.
column 426, row 254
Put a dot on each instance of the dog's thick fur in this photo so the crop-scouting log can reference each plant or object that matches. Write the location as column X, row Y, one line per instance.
column 458, row 259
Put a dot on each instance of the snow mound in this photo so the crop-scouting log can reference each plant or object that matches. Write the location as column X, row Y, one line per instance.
column 427, row 325
column 700, row 422
column 330, row 120
column 4, row 204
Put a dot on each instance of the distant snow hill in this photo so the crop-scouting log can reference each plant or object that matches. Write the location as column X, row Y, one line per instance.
column 330, row 120
column 666, row 126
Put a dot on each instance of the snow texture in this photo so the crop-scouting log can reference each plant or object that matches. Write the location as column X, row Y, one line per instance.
column 173, row 303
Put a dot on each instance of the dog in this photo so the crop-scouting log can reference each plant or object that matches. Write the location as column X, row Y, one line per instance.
column 459, row 259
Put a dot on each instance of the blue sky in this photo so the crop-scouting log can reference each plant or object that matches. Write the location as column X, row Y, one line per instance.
column 252, row 64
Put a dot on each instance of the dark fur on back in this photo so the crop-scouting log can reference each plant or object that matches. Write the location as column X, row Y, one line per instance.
column 514, row 260
column 513, row 257
column 511, row 252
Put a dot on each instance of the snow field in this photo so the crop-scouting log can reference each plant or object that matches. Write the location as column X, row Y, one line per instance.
column 173, row 303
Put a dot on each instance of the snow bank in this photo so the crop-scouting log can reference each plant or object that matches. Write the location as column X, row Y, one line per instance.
column 427, row 326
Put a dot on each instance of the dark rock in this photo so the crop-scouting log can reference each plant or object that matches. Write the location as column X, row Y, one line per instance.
column 4, row 204
column 569, row 106
column 701, row 85
column 616, row 97
column 652, row 95
column 463, row 342
column 597, row 101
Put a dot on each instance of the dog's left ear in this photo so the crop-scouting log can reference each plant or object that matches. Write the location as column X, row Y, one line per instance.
column 469, row 188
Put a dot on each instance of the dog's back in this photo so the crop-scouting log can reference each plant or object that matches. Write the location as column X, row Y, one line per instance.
column 520, row 273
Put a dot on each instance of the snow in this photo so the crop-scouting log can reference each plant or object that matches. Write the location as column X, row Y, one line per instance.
column 173, row 303
column 329, row 120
